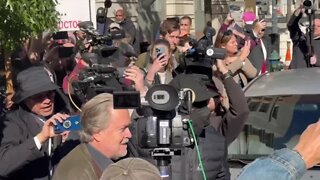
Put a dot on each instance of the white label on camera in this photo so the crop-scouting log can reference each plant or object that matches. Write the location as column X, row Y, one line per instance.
column 164, row 124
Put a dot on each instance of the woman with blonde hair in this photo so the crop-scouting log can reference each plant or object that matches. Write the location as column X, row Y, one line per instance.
column 158, row 70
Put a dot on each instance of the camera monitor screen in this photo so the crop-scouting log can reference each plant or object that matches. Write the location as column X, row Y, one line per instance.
column 126, row 99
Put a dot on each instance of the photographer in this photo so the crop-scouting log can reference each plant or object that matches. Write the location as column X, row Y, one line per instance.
column 29, row 148
column 237, row 62
column 300, row 40
column 215, row 127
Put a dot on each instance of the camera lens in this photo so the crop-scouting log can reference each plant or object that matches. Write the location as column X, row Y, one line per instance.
column 66, row 124
column 210, row 52
column 307, row 3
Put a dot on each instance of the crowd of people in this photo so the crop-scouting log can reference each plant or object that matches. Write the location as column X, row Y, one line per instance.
column 107, row 146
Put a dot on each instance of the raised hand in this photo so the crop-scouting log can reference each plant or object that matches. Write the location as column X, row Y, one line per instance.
column 136, row 75
column 48, row 127
column 245, row 50
column 309, row 145
column 229, row 19
column 159, row 63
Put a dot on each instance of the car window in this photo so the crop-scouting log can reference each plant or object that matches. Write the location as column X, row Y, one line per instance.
column 274, row 122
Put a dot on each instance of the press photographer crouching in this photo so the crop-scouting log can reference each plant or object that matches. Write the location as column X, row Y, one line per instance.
column 215, row 127
column 29, row 148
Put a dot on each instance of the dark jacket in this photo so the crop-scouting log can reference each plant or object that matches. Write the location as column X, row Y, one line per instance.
column 256, row 55
column 300, row 46
column 130, row 30
column 19, row 156
column 213, row 141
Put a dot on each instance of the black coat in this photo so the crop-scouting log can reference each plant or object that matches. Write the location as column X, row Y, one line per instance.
column 19, row 156
column 300, row 46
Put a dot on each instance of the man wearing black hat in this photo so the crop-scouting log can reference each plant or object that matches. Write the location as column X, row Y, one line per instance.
column 29, row 148
column 214, row 125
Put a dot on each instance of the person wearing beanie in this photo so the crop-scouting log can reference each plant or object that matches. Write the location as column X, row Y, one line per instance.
column 29, row 148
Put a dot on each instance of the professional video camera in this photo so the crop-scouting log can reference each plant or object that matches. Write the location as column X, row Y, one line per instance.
column 200, row 58
column 101, row 75
column 307, row 4
column 102, row 45
column 164, row 131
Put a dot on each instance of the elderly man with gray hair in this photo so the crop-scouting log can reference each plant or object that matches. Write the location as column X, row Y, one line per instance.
column 104, row 138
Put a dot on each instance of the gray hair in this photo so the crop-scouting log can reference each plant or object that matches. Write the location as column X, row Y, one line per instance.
column 95, row 115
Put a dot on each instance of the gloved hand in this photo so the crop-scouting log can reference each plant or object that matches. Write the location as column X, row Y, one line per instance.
column 200, row 119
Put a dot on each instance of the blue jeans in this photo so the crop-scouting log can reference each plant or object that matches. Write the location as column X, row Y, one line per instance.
column 283, row 164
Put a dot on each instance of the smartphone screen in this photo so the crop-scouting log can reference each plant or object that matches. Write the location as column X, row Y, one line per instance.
column 126, row 99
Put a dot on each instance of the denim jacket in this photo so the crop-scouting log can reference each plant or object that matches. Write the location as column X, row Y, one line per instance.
column 283, row 164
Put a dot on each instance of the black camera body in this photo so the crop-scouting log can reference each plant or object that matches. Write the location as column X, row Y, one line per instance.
column 307, row 4
column 203, row 55
column 155, row 132
column 203, row 49
column 102, row 45
column 164, row 127
column 101, row 76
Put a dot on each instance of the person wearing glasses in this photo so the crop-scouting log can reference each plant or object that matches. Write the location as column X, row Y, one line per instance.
column 29, row 148
column 236, row 61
